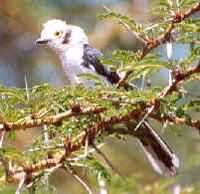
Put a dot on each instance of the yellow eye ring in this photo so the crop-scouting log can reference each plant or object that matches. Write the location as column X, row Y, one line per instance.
column 58, row 33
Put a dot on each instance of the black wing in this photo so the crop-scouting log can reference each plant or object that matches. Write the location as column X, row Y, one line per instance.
column 91, row 58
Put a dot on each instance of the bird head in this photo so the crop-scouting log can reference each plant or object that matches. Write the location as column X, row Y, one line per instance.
column 60, row 36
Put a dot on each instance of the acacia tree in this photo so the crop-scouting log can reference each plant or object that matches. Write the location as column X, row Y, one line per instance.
column 76, row 120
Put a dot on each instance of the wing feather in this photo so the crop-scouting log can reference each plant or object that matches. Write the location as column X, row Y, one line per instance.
column 91, row 59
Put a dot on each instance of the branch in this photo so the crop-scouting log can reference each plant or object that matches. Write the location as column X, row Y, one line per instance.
column 191, row 11
column 106, row 124
column 151, row 44
column 31, row 121
column 71, row 147
column 179, row 77
column 178, row 120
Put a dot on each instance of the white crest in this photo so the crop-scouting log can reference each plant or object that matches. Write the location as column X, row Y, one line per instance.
column 55, row 32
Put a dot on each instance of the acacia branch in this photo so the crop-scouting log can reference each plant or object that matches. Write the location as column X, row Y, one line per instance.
column 31, row 121
column 178, row 120
column 70, row 147
column 151, row 44
column 106, row 124
column 179, row 77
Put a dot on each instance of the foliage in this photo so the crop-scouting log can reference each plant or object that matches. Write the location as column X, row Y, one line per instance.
column 70, row 115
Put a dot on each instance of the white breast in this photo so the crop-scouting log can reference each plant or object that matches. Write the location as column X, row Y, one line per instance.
column 72, row 61
column 72, row 56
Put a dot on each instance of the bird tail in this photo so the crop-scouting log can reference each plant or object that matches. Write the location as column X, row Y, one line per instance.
column 162, row 159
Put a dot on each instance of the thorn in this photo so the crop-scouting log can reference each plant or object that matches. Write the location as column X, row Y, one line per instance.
column 85, row 156
column 164, row 126
column 46, row 135
column 169, row 50
column 108, row 161
column 74, row 174
column 170, row 79
column 21, row 184
column 26, row 86
column 2, row 138
column 102, row 189
column 106, row 8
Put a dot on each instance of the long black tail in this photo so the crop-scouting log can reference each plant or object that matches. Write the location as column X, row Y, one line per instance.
column 162, row 159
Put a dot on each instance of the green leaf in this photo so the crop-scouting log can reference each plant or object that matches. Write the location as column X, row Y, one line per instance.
column 91, row 77
column 12, row 135
column 124, row 20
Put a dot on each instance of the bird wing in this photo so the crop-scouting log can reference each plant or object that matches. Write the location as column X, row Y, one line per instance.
column 91, row 60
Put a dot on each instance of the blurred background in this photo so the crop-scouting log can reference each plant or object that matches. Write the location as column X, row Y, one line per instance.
column 20, row 25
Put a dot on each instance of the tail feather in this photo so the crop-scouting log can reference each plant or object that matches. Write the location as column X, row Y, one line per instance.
column 162, row 159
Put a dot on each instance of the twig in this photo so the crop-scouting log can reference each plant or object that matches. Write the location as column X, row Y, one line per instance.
column 21, row 184
column 176, row 189
column 46, row 135
column 46, row 148
column 46, row 140
column 30, row 122
column 72, row 147
column 179, row 77
column 138, row 36
column 169, row 52
column 85, row 156
column 108, row 161
column 74, row 174
column 89, row 151
column 164, row 126
column 177, row 120
column 170, row 77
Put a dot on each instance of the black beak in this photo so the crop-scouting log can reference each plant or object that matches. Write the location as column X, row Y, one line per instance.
column 41, row 41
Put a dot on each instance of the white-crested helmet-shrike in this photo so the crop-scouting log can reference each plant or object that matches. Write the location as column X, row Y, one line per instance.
column 77, row 56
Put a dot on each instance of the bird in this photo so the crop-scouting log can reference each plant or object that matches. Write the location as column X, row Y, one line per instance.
column 77, row 56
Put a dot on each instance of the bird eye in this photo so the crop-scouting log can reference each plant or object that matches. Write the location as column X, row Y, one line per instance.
column 58, row 33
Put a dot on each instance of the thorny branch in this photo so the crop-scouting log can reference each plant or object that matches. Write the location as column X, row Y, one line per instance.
column 15, row 174
column 178, row 120
column 32, row 121
column 179, row 77
column 151, row 44
column 71, row 147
